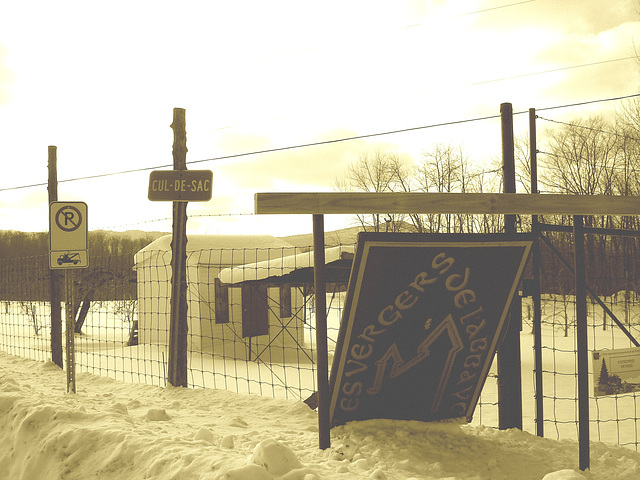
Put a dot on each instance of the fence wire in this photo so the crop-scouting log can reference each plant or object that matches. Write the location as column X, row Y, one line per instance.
column 251, row 318
column 612, row 273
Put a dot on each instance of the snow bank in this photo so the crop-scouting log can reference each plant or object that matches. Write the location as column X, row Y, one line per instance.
column 112, row 430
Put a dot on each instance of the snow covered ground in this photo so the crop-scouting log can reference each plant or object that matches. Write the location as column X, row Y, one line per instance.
column 113, row 430
column 102, row 350
column 123, row 430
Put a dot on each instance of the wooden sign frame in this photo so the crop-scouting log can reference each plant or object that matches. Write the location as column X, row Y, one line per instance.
column 319, row 204
column 422, row 321
column 462, row 203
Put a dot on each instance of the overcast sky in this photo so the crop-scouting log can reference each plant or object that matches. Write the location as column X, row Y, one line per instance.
column 100, row 81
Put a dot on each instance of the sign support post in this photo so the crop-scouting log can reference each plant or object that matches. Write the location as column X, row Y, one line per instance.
column 70, row 327
column 179, row 186
column 54, row 277
column 68, row 235
column 177, row 371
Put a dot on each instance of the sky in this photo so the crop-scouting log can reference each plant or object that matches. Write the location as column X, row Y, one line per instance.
column 100, row 81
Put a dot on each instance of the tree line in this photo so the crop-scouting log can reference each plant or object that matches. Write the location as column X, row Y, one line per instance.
column 24, row 266
column 15, row 244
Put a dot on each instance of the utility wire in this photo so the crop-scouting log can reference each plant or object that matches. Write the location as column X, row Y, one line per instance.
column 585, row 127
column 495, row 8
column 588, row 102
column 614, row 165
column 269, row 150
column 346, row 139
column 553, row 70
column 325, row 142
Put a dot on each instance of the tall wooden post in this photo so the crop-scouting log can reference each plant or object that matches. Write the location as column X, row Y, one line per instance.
column 324, row 432
column 54, row 275
column 581, row 338
column 509, row 362
column 535, row 260
column 177, row 369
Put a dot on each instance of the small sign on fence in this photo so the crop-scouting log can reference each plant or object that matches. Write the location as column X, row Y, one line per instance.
column 421, row 324
column 616, row 371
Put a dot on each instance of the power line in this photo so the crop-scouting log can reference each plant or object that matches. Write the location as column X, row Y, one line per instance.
column 325, row 142
column 614, row 165
column 88, row 177
column 495, row 8
column 346, row 139
column 542, row 72
column 585, row 127
column 588, row 102
column 269, row 150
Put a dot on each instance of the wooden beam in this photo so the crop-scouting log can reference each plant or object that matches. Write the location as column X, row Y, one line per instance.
column 474, row 203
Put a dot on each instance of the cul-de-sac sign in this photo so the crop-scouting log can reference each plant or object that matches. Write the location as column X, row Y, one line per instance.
column 180, row 185
column 421, row 324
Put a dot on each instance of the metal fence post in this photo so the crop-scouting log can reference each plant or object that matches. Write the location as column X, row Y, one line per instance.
column 581, row 334
column 70, row 332
column 535, row 265
column 324, row 435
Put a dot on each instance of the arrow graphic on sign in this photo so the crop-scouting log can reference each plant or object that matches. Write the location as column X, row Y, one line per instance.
column 400, row 366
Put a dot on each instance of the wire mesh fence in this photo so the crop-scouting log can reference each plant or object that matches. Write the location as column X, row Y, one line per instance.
column 612, row 274
column 251, row 319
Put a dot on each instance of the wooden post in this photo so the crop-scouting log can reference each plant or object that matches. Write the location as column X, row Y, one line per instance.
column 581, row 338
column 54, row 275
column 537, row 301
column 177, row 370
column 508, row 161
column 509, row 364
column 324, row 432
column 327, row 203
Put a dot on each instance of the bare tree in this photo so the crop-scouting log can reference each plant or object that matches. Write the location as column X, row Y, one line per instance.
column 446, row 169
column 378, row 172
column 582, row 158
column 600, row 157
column 443, row 169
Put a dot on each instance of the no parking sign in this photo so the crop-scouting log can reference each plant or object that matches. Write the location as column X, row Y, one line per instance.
column 68, row 235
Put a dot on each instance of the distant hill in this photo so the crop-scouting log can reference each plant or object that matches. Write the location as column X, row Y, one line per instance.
column 134, row 234
column 344, row 236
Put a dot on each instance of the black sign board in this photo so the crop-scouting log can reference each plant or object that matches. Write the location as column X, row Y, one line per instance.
column 180, row 185
column 421, row 324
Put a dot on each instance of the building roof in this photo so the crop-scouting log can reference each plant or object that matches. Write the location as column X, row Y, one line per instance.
column 218, row 250
column 279, row 267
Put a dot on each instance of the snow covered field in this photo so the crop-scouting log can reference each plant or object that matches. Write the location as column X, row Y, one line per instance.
column 115, row 430
column 393, row 450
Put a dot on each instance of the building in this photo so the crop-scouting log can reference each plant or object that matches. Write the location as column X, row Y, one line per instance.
column 248, row 296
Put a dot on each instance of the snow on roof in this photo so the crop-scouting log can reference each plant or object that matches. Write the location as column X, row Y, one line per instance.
column 204, row 242
column 230, row 249
column 279, row 266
